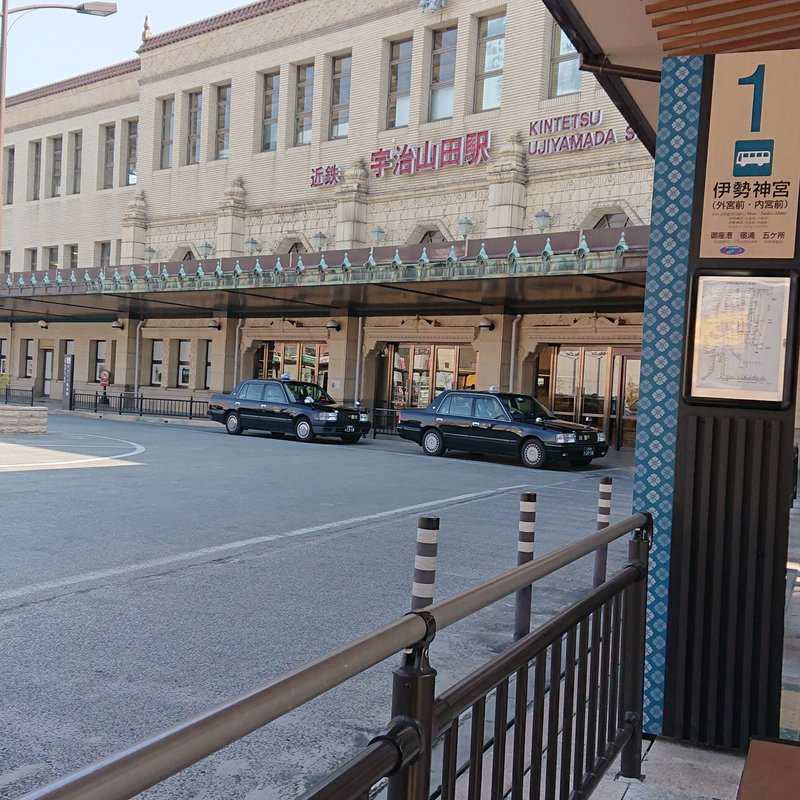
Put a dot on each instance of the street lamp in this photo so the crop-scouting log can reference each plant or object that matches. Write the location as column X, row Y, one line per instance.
column 92, row 9
column 319, row 240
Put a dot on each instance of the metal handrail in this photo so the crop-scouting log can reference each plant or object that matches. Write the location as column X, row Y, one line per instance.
column 131, row 771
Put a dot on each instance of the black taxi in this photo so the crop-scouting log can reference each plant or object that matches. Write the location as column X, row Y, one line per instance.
column 281, row 407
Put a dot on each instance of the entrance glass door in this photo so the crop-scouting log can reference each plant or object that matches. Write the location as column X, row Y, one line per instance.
column 47, row 372
column 625, row 405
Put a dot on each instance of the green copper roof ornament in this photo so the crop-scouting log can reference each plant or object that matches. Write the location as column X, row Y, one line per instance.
column 181, row 272
column 547, row 253
column 582, row 249
column 198, row 273
column 397, row 262
column 148, row 276
column 622, row 245
column 323, row 266
column 218, row 270
column 46, row 279
column 482, row 258
column 424, row 261
column 101, row 276
column 513, row 256
column 87, row 278
column 278, row 265
column 257, row 268
column 117, row 276
column 34, row 282
column 21, row 281
column 73, row 278
column 346, row 265
column 9, row 282
column 237, row 268
column 131, row 274
column 165, row 272
column 370, row 263
column 59, row 279
column 452, row 258
column 300, row 267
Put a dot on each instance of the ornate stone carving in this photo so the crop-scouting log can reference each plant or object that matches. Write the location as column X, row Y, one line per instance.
column 234, row 197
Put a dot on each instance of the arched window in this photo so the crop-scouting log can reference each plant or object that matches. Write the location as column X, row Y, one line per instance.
column 188, row 256
column 618, row 219
column 432, row 236
column 297, row 247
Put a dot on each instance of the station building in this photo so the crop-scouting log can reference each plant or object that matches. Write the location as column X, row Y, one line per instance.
column 388, row 200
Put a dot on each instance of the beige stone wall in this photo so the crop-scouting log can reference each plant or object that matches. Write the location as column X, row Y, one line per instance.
column 23, row 419
column 182, row 202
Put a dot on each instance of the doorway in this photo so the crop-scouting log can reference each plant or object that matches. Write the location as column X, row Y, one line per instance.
column 47, row 372
column 625, row 402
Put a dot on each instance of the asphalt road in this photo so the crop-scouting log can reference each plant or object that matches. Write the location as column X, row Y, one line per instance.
column 152, row 571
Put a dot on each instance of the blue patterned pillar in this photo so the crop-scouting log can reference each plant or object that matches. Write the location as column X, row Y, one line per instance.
column 662, row 346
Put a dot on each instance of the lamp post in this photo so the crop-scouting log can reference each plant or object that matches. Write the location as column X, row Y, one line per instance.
column 92, row 9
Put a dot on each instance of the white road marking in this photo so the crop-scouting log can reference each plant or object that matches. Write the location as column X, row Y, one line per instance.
column 222, row 548
column 136, row 449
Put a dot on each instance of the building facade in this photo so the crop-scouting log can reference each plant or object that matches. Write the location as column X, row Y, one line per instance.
column 292, row 128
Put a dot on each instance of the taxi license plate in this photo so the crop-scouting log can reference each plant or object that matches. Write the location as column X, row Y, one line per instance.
column 349, row 429
column 588, row 451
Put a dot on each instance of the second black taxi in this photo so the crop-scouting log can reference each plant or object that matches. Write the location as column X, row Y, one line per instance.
column 281, row 407
column 500, row 423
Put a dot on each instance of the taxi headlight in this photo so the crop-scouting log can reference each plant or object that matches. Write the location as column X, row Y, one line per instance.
column 565, row 438
column 363, row 417
column 601, row 437
column 328, row 416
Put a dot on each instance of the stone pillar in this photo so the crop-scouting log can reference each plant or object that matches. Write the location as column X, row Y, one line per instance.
column 343, row 349
column 134, row 230
column 351, row 208
column 494, row 353
column 508, row 177
column 230, row 221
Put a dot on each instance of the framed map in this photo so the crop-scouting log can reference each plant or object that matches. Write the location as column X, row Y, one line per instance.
column 739, row 338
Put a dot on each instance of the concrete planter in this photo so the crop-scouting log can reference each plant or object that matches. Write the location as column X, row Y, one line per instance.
column 23, row 419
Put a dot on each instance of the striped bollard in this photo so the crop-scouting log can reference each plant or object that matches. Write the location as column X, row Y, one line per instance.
column 527, row 535
column 603, row 517
column 425, row 562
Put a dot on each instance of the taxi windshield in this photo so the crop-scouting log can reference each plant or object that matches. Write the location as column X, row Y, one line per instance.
column 299, row 391
column 521, row 406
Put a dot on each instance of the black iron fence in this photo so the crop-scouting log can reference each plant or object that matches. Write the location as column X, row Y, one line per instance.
column 131, row 403
column 543, row 719
column 16, row 397
column 384, row 420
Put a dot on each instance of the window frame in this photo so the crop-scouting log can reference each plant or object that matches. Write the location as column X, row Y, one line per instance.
column 56, row 166
column 438, row 85
column 77, row 161
column 165, row 146
column 3, row 356
column 103, row 257
column 481, row 74
column 72, row 250
column 271, row 98
column 222, row 132
column 194, row 126
column 99, row 361
column 36, row 171
column 52, row 250
column 393, row 95
column 156, row 362
column 207, row 372
column 27, row 359
column 557, row 59
column 109, row 145
column 339, row 79
column 303, row 91
column 131, row 152
column 10, row 163
column 32, row 258
column 182, row 379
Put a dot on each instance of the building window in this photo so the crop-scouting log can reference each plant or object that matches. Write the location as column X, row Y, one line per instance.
column 104, row 253
column 27, row 358
column 194, row 127
column 55, row 170
column 72, row 255
column 489, row 71
column 432, row 237
column 399, row 83
column 36, row 169
column 443, row 74
column 109, row 134
column 184, row 354
column 167, row 132
column 207, row 375
column 565, row 77
column 77, row 161
column 9, row 166
column 51, row 257
column 156, row 361
column 99, row 350
column 269, row 122
column 341, row 68
column 304, row 99
column 223, row 134
column 131, row 152
column 618, row 219
column 3, row 355
column 31, row 259
column 6, row 261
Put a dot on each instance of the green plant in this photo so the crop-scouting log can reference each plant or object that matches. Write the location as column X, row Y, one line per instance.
column 5, row 381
